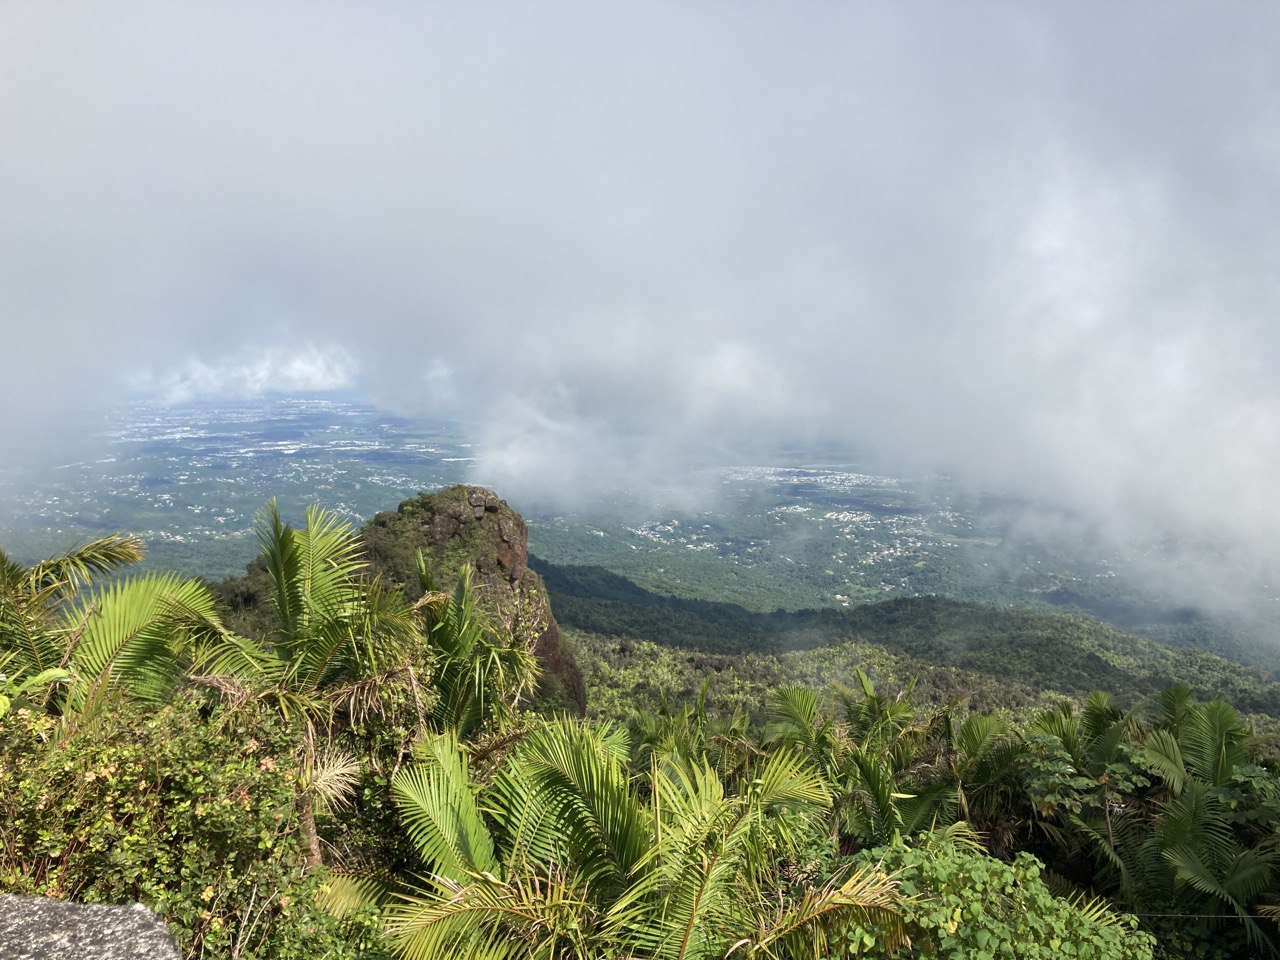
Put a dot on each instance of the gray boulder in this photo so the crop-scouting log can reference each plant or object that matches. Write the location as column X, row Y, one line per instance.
column 36, row 928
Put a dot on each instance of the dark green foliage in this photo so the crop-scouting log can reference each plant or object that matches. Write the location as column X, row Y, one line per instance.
column 1171, row 811
column 1241, row 643
column 192, row 815
column 595, row 600
column 1180, row 823
column 1021, row 651
column 964, row 903
column 767, row 754
column 625, row 675
column 247, row 601
column 561, row 854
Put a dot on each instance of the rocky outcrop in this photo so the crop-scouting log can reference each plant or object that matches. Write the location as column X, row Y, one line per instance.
column 463, row 524
column 36, row 928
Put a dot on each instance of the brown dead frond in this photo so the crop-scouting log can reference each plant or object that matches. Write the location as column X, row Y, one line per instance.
column 234, row 692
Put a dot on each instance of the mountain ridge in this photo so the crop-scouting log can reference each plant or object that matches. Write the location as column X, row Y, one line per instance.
column 1068, row 653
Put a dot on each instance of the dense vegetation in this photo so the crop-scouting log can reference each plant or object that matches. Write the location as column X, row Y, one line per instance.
column 1005, row 656
column 358, row 771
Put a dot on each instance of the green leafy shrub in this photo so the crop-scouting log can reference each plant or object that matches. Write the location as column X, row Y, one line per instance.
column 191, row 815
column 963, row 903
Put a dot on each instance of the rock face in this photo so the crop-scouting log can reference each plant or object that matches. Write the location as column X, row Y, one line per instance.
column 35, row 928
column 463, row 524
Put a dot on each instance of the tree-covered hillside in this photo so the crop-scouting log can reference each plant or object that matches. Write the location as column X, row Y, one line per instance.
column 1007, row 656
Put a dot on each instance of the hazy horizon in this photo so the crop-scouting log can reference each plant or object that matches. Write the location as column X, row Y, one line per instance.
column 1033, row 247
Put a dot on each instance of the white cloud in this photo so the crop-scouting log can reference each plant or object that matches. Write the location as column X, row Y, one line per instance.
column 1036, row 246
column 306, row 369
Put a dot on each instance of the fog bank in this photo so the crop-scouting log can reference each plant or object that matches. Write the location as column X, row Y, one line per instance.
column 1033, row 246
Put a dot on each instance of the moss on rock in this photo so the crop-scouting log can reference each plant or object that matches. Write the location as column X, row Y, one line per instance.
column 465, row 524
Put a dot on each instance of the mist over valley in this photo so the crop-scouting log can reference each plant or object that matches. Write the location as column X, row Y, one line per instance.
column 796, row 532
column 640, row 481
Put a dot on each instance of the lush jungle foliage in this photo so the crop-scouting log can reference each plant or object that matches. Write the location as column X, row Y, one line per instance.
column 187, row 810
column 359, row 772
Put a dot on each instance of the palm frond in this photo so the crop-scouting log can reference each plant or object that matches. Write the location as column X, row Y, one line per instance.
column 68, row 572
column 479, row 672
column 1164, row 755
column 282, row 555
column 792, row 715
column 577, row 770
column 815, row 923
column 441, row 813
column 871, row 810
column 331, row 557
column 531, row 915
column 934, row 802
column 28, row 628
column 1175, row 702
column 136, row 633
column 978, row 735
column 1094, row 910
column 426, row 579
column 700, row 902
column 1213, row 739
column 344, row 892
column 1192, row 869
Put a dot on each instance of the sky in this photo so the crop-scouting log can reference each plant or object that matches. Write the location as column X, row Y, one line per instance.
column 1031, row 245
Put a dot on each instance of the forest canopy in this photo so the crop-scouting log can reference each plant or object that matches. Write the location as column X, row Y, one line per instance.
column 368, row 767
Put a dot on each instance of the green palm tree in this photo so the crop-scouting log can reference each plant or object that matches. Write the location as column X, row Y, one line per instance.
column 479, row 671
column 341, row 641
column 980, row 761
column 560, row 855
column 1167, row 808
column 867, row 750
column 1207, row 861
column 90, row 643
column 31, row 598
column 693, row 731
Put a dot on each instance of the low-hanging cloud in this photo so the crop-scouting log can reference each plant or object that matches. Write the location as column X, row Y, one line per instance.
column 308, row 368
column 1034, row 245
